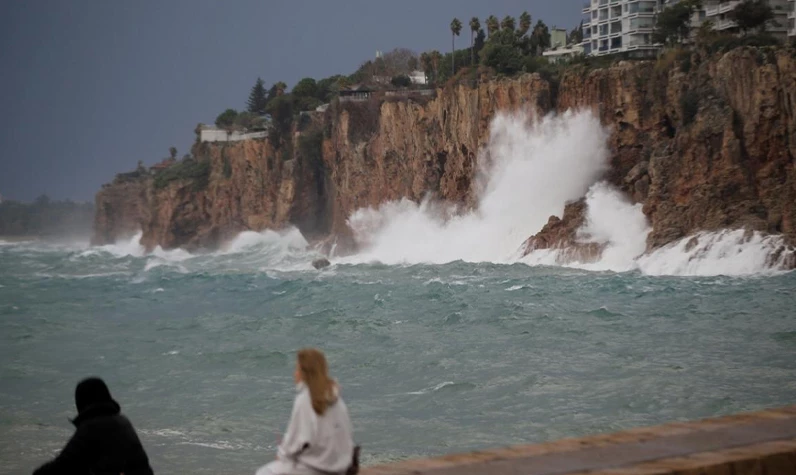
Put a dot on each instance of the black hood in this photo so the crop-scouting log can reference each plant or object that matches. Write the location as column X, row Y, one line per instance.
column 93, row 399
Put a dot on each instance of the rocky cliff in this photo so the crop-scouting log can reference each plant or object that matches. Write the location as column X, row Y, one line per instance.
column 703, row 142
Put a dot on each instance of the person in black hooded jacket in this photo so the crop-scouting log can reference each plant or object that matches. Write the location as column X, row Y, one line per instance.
column 105, row 441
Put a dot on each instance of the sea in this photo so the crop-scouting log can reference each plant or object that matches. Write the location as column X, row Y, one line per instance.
column 442, row 334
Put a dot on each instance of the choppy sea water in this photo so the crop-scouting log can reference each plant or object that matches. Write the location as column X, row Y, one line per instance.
column 432, row 359
column 443, row 336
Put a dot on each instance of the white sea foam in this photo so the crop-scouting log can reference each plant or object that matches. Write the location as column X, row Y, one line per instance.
column 527, row 173
column 729, row 252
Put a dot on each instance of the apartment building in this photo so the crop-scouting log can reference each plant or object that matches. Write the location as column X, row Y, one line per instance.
column 619, row 26
column 717, row 11
column 626, row 26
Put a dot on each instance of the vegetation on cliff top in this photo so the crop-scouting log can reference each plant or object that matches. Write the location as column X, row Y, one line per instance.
column 508, row 47
column 196, row 170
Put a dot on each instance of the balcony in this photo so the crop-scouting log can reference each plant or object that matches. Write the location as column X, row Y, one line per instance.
column 724, row 24
column 726, row 7
column 587, row 7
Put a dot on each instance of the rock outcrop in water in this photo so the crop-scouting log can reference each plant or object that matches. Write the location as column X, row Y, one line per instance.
column 703, row 143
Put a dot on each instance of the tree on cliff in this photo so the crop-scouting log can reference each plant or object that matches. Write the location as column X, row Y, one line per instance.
column 281, row 110
column 258, row 98
column 397, row 61
column 540, row 38
column 305, row 94
column 752, row 14
column 501, row 53
column 492, row 25
column 508, row 23
column 173, row 153
column 276, row 90
column 226, row 119
column 576, row 35
column 436, row 57
column 475, row 25
column 329, row 87
column 480, row 41
column 674, row 22
column 456, row 29
column 525, row 24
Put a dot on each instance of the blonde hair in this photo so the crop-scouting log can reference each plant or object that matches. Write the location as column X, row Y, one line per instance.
column 315, row 374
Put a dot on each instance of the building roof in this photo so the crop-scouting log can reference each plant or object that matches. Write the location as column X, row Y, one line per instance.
column 356, row 88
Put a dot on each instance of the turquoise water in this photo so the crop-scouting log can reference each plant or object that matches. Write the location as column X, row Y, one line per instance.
column 432, row 359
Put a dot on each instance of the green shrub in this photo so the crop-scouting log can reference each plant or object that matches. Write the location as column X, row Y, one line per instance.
column 227, row 118
column 197, row 171
column 725, row 43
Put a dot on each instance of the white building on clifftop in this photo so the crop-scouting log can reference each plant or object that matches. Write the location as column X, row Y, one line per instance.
column 214, row 134
column 792, row 18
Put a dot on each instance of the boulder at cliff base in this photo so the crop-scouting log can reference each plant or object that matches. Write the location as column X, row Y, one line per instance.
column 321, row 263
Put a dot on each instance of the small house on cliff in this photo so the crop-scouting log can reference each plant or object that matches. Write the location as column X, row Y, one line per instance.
column 215, row 134
column 356, row 93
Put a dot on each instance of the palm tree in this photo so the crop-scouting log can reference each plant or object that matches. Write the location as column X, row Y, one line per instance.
column 456, row 29
column 508, row 23
column 525, row 23
column 475, row 25
column 492, row 24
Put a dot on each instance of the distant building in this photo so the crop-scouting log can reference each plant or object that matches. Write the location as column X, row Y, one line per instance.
column 620, row 26
column 563, row 54
column 418, row 77
column 558, row 38
column 355, row 93
column 214, row 134
column 322, row 107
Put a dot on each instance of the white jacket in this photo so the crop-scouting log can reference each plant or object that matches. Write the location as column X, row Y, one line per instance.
column 328, row 438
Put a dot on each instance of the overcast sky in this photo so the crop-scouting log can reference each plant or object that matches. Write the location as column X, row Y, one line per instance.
column 89, row 87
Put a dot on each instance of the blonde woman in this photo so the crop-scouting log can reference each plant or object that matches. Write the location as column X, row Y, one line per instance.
column 318, row 440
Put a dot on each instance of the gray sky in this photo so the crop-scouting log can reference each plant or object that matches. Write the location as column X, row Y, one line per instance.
column 89, row 87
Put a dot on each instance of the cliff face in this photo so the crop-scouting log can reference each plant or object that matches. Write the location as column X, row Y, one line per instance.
column 361, row 154
column 703, row 143
column 121, row 209
column 414, row 149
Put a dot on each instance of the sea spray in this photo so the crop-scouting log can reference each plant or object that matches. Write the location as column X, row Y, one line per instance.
column 528, row 172
column 617, row 225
